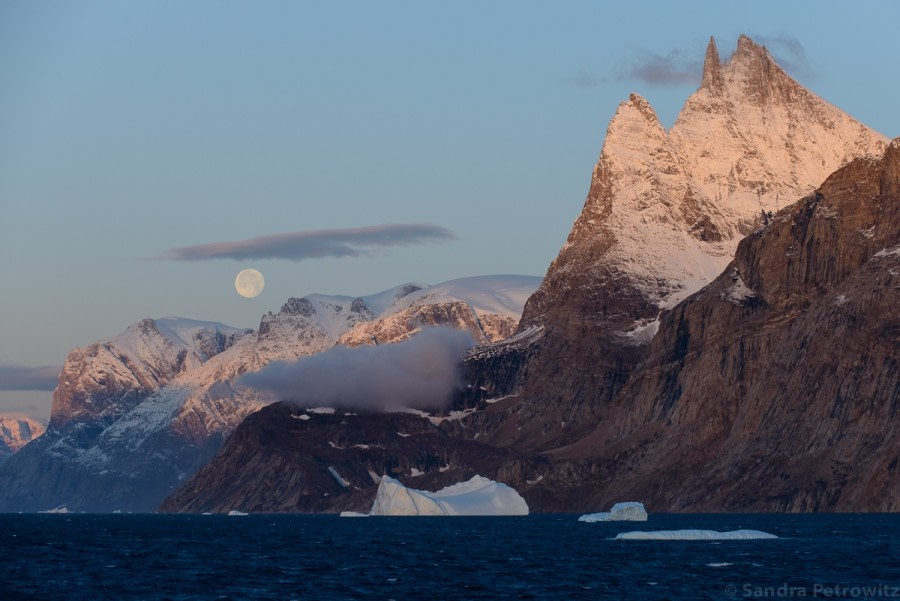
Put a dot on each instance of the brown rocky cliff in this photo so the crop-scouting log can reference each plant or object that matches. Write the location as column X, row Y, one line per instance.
column 777, row 387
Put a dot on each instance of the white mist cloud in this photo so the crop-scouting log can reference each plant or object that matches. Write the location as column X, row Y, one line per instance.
column 420, row 373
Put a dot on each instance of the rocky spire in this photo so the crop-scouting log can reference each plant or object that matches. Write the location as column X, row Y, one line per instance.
column 712, row 69
column 754, row 68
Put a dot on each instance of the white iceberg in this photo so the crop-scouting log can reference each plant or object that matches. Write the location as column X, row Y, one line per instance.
column 353, row 514
column 695, row 535
column 629, row 511
column 235, row 512
column 478, row 496
column 60, row 509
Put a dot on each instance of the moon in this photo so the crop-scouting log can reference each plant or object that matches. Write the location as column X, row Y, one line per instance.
column 249, row 283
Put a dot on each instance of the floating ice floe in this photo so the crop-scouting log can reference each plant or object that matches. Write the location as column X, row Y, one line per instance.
column 478, row 496
column 353, row 514
column 236, row 512
column 61, row 509
column 695, row 535
column 629, row 511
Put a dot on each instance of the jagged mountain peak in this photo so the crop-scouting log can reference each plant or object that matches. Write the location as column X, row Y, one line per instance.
column 670, row 206
column 712, row 79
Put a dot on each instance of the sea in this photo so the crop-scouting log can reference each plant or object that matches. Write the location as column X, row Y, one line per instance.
column 76, row 557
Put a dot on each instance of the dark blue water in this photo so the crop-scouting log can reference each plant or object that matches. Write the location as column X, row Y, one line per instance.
column 75, row 557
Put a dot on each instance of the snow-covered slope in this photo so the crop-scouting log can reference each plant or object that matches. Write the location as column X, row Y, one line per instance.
column 106, row 379
column 488, row 307
column 477, row 496
column 134, row 415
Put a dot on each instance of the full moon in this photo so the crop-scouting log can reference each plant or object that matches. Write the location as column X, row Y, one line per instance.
column 249, row 283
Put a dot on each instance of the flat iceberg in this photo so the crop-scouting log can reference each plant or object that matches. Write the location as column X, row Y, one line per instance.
column 621, row 512
column 695, row 535
column 235, row 512
column 478, row 496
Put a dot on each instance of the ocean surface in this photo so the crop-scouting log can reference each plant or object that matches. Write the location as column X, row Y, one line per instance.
column 74, row 557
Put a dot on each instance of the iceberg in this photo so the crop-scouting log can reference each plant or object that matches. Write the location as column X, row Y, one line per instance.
column 478, row 496
column 235, row 512
column 695, row 535
column 621, row 512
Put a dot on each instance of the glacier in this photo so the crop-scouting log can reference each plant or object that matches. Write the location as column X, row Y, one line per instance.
column 629, row 511
column 695, row 535
column 476, row 496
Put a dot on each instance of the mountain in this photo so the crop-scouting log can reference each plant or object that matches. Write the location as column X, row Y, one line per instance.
column 16, row 432
column 134, row 415
column 741, row 402
column 680, row 349
column 777, row 386
column 663, row 217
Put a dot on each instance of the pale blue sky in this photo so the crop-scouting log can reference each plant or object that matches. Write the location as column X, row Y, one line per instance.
column 131, row 128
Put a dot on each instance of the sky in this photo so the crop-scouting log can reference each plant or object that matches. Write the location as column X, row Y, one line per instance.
column 149, row 151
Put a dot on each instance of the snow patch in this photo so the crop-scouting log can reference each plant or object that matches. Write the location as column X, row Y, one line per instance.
column 337, row 477
column 641, row 334
column 738, row 293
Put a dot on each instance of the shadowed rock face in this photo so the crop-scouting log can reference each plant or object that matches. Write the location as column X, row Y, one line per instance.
column 285, row 459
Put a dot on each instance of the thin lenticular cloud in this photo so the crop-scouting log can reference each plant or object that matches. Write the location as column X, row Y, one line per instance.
column 20, row 377
column 315, row 244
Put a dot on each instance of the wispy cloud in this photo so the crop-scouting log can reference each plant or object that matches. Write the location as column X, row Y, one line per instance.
column 419, row 373
column 20, row 377
column 675, row 68
column 585, row 79
column 315, row 244
column 788, row 52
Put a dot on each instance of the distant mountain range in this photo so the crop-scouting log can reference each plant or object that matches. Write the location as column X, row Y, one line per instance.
column 718, row 333
column 15, row 432
column 134, row 415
